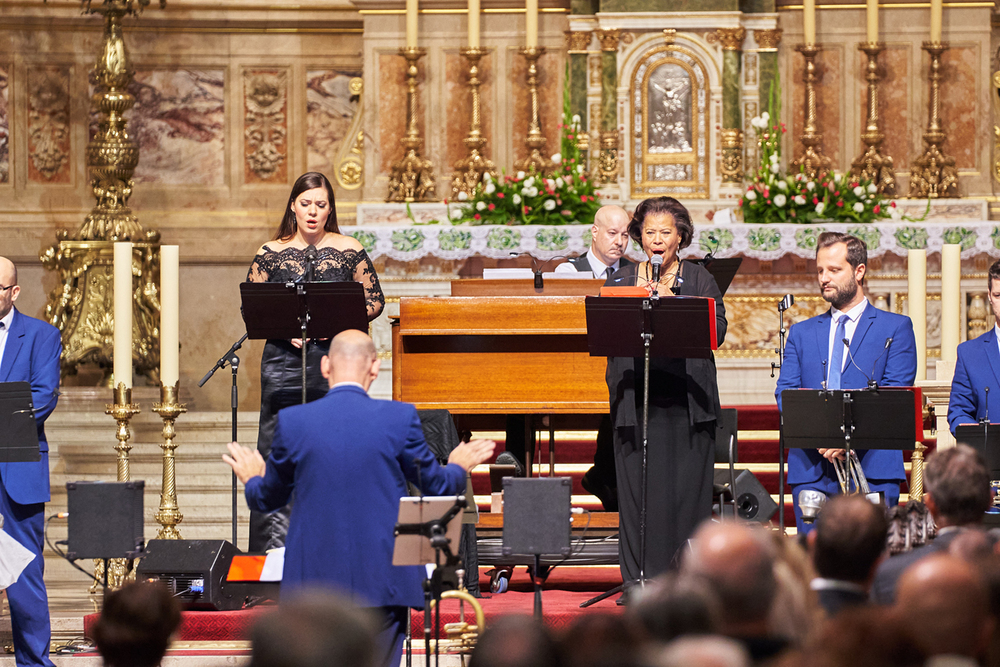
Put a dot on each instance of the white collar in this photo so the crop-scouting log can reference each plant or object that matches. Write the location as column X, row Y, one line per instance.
column 348, row 383
column 595, row 263
column 853, row 314
column 824, row 584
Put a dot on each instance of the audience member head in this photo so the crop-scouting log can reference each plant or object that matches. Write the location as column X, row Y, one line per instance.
column 610, row 234
column 945, row 598
column 8, row 283
column 704, row 651
column 135, row 625
column 737, row 563
column 795, row 610
column 515, row 641
column 312, row 180
column 849, row 539
column 315, row 629
column 957, row 486
column 599, row 640
column 865, row 637
column 672, row 606
column 352, row 358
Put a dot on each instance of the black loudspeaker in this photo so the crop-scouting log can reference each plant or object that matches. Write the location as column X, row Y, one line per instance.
column 105, row 519
column 536, row 515
column 753, row 502
column 194, row 571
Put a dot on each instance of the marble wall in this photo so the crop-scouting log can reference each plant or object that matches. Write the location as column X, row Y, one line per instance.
column 4, row 123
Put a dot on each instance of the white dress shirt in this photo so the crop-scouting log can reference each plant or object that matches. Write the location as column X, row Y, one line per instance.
column 996, row 332
column 598, row 267
column 4, row 330
column 853, row 315
column 348, row 383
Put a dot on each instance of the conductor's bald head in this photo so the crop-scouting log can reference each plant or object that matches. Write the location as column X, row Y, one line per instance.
column 352, row 358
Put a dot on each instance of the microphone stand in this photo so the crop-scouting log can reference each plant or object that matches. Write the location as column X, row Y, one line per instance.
column 233, row 360
column 786, row 302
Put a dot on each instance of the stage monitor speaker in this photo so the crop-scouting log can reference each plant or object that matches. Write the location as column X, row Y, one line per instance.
column 194, row 571
column 536, row 515
column 753, row 502
column 105, row 519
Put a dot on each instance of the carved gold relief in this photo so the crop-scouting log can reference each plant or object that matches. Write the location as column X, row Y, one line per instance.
column 48, row 124
column 753, row 328
column 265, row 124
column 578, row 41
column 933, row 174
column 350, row 160
column 731, row 39
column 609, row 38
column 996, row 128
column 732, row 156
column 607, row 167
column 767, row 40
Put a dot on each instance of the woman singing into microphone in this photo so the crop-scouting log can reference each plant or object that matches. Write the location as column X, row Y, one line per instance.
column 309, row 224
column 683, row 405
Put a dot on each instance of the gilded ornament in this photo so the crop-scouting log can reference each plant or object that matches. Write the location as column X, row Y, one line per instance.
column 470, row 169
column 768, row 40
column 411, row 179
column 933, row 174
column 609, row 38
column 607, row 169
column 996, row 128
column 872, row 165
column 811, row 161
column 978, row 316
column 732, row 155
column 535, row 141
column 731, row 39
column 169, row 514
column 48, row 121
column 265, row 122
column 669, row 36
column 578, row 41
column 350, row 158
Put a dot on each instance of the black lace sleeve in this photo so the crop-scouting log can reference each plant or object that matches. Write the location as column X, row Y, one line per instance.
column 261, row 267
column 364, row 273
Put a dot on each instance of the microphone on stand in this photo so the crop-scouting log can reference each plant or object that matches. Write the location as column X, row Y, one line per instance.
column 310, row 262
column 536, row 267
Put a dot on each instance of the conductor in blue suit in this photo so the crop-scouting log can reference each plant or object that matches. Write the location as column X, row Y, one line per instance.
column 975, row 388
column 347, row 458
column 29, row 352
column 847, row 347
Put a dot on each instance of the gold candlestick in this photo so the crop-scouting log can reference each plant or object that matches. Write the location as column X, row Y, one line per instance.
column 871, row 164
column 412, row 178
column 123, row 409
column 469, row 170
column 933, row 174
column 169, row 514
column 812, row 159
column 534, row 141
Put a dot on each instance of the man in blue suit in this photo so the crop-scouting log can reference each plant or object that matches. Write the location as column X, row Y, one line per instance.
column 975, row 388
column 29, row 352
column 347, row 458
column 844, row 348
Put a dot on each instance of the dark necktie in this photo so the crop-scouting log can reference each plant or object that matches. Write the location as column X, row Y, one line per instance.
column 607, row 272
column 837, row 358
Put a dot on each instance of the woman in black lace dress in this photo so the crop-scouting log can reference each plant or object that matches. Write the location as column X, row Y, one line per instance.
column 310, row 219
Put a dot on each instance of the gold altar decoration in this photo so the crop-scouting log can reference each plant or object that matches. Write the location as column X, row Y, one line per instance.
column 169, row 514
column 933, row 174
column 607, row 163
column 768, row 40
column 350, row 163
column 609, row 38
column 731, row 39
column 996, row 128
column 412, row 179
column 978, row 317
column 81, row 307
column 732, row 155
column 578, row 42
column 812, row 160
column 470, row 169
column 535, row 141
column 871, row 164
column 123, row 409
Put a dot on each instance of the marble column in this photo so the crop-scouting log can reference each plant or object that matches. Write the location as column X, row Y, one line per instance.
column 732, row 124
column 607, row 170
column 578, row 43
column 767, row 57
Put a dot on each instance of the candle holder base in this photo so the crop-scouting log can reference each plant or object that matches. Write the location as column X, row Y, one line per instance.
column 169, row 514
column 872, row 165
column 812, row 162
column 534, row 142
column 933, row 175
column 469, row 170
column 411, row 179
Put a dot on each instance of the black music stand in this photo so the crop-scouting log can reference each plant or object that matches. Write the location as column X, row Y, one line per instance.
column 723, row 270
column 985, row 439
column 19, row 442
column 677, row 327
column 883, row 418
column 299, row 310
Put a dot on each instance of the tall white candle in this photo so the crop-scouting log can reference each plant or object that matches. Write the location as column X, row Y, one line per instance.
column 951, row 300
column 916, row 287
column 809, row 21
column 123, row 314
column 531, row 23
column 937, row 10
column 169, row 315
column 411, row 23
column 872, row 12
column 474, row 24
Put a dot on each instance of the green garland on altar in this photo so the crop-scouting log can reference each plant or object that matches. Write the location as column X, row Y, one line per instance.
column 565, row 195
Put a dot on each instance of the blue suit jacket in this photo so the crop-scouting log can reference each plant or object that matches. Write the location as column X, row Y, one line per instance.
column 978, row 367
column 347, row 458
column 32, row 355
column 806, row 359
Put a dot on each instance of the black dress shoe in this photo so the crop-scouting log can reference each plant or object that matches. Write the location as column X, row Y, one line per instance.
column 608, row 495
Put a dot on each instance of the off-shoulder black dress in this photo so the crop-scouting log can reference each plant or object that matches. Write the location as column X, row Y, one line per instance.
column 281, row 363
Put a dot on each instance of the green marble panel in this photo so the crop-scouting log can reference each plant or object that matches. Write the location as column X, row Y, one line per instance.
column 768, row 63
column 609, row 90
column 670, row 5
column 731, row 89
column 582, row 7
column 578, row 86
column 757, row 6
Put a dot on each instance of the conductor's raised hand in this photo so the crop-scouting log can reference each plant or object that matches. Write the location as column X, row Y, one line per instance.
column 246, row 463
column 470, row 454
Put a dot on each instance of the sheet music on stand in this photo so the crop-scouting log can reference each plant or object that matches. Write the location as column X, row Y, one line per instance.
column 411, row 549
